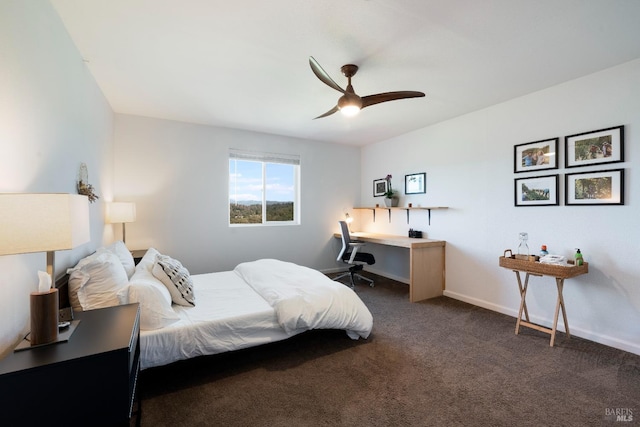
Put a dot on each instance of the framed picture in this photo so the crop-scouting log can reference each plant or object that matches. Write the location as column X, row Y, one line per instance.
column 537, row 191
column 595, row 188
column 379, row 187
column 415, row 183
column 595, row 148
column 537, row 155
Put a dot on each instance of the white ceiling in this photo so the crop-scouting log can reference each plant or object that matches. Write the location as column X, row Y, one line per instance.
column 244, row 64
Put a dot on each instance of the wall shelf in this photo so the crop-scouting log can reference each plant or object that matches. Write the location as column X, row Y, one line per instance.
column 404, row 208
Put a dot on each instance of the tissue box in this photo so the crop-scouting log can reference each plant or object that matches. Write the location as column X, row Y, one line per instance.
column 44, row 317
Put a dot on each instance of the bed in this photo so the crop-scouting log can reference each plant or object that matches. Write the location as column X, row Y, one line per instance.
column 184, row 316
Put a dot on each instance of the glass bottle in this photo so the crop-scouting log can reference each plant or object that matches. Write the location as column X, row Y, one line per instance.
column 523, row 247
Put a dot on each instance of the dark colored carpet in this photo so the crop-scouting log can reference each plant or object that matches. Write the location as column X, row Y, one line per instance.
column 440, row 362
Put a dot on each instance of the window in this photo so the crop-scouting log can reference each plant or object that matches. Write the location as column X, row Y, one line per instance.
column 263, row 188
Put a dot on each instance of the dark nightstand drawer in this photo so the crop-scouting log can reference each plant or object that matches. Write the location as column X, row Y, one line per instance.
column 89, row 380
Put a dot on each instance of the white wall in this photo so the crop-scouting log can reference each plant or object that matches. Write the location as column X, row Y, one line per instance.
column 177, row 173
column 52, row 118
column 469, row 165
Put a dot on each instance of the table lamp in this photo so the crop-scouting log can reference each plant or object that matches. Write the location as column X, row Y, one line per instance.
column 120, row 212
column 43, row 223
column 348, row 220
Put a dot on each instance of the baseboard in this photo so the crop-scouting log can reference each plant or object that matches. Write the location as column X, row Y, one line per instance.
column 387, row 275
column 578, row 332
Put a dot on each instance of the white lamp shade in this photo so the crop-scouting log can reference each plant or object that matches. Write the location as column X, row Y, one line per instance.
column 42, row 222
column 120, row 212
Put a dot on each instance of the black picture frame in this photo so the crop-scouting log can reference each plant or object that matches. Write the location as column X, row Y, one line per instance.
column 595, row 188
column 536, row 155
column 537, row 191
column 415, row 183
column 379, row 187
column 596, row 147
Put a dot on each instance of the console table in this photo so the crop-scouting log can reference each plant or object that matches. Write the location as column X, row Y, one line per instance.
column 426, row 262
column 88, row 380
column 533, row 268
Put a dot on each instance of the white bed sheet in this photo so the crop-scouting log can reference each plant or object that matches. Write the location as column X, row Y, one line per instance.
column 229, row 315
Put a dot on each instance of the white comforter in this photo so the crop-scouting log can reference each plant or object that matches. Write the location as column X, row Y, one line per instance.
column 304, row 298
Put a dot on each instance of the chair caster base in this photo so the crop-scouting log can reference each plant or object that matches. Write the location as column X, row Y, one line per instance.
column 353, row 277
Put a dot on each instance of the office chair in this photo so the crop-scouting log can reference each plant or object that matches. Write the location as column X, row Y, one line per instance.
column 350, row 255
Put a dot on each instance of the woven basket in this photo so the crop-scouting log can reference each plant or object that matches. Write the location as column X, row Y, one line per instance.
column 534, row 267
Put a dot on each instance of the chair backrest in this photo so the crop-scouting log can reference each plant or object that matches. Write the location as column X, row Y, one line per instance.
column 346, row 239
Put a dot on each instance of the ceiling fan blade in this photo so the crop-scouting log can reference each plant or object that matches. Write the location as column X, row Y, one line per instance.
column 389, row 96
column 328, row 113
column 322, row 75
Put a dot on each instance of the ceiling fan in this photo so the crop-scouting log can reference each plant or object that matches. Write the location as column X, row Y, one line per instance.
column 350, row 103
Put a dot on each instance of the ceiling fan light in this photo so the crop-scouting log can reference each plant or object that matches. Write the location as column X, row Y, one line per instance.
column 350, row 110
column 350, row 104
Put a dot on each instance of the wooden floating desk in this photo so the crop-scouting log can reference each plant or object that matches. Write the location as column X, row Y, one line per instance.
column 532, row 268
column 426, row 262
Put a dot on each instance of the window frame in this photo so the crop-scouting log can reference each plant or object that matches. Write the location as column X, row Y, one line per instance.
column 264, row 159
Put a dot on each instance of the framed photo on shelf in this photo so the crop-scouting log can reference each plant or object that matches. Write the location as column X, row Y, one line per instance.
column 595, row 188
column 379, row 187
column 594, row 148
column 535, row 156
column 537, row 191
column 415, row 183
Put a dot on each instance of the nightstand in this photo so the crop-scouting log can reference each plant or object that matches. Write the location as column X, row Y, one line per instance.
column 88, row 380
column 138, row 254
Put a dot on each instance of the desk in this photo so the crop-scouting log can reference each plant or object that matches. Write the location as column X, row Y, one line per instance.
column 426, row 262
column 560, row 272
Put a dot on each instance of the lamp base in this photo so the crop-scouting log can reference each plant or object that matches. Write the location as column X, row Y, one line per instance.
column 44, row 316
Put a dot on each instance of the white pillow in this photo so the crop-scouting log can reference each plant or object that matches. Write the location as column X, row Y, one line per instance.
column 154, row 312
column 153, row 297
column 100, row 279
column 147, row 260
column 84, row 261
column 77, row 280
column 176, row 278
column 120, row 250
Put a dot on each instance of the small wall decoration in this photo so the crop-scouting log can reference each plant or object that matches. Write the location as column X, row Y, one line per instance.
column 83, row 185
column 537, row 155
column 415, row 183
column 537, row 191
column 595, row 188
column 595, row 147
column 379, row 187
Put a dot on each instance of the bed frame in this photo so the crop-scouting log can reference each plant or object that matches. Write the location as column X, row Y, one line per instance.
column 62, row 284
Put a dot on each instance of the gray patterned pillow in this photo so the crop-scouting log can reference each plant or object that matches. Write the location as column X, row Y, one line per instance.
column 176, row 278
